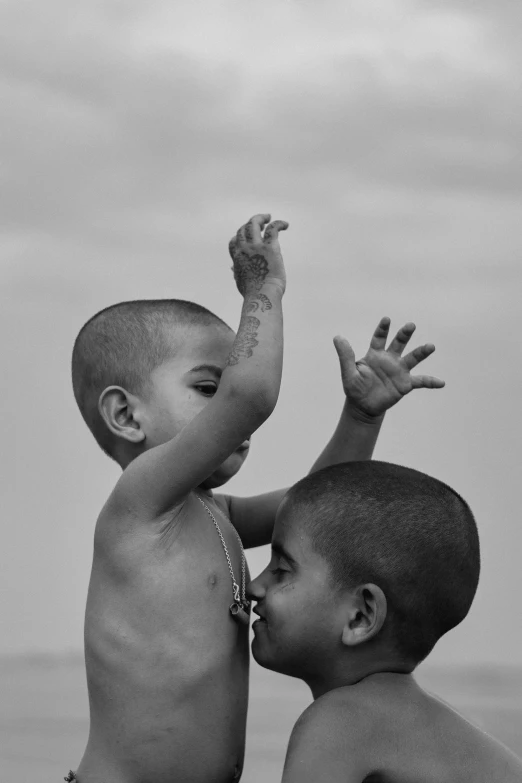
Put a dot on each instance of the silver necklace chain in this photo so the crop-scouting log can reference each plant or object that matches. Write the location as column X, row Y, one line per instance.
column 240, row 598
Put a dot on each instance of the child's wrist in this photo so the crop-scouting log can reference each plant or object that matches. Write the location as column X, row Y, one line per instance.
column 361, row 416
column 269, row 293
column 275, row 284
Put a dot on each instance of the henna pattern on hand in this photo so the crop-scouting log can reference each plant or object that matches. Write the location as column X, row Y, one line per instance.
column 245, row 341
column 250, row 272
column 249, row 232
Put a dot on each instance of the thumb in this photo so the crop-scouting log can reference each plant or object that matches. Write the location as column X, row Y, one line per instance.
column 346, row 356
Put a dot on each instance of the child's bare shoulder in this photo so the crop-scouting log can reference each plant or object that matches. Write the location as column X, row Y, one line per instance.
column 458, row 739
column 330, row 710
column 121, row 520
column 352, row 711
column 331, row 737
column 432, row 735
column 386, row 724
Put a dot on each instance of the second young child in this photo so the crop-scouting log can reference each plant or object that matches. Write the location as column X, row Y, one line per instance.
column 371, row 564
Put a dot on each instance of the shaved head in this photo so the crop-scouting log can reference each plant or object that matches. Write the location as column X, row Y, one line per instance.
column 121, row 346
column 406, row 532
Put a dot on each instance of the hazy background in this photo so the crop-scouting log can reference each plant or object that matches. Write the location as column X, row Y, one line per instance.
column 135, row 137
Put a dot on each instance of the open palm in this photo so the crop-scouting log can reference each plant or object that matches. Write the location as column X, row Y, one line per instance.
column 383, row 377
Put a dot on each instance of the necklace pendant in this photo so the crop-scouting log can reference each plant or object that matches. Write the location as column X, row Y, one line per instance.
column 238, row 612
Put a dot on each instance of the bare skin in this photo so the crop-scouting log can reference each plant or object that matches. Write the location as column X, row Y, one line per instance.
column 369, row 722
column 167, row 665
column 386, row 729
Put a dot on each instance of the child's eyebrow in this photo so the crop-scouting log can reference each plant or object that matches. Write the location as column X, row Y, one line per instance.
column 281, row 551
column 213, row 368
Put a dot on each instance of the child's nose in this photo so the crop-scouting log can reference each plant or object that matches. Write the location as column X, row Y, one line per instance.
column 255, row 590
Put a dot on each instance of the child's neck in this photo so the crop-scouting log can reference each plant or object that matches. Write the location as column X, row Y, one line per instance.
column 353, row 671
column 202, row 490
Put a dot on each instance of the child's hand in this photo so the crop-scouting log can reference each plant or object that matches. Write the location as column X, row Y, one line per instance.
column 257, row 258
column 382, row 378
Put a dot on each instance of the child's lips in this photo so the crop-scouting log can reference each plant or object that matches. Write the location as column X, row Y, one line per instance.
column 262, row 618
column 244, row 446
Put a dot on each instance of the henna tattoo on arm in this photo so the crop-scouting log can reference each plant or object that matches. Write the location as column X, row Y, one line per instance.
column 266, row 304
column 260, row 300
column 245, row 341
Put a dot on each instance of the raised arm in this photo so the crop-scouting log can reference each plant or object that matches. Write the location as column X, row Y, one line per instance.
column 372, row 385
column 160, row 478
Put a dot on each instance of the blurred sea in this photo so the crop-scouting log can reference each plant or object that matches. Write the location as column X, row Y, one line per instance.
column 43, row 714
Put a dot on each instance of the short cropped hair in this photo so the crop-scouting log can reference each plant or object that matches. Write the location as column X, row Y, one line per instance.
column 408, row 533
column 121, row 345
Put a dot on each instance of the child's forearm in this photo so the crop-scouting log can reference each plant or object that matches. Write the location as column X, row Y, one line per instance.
column 162, row 476
column 254, row 366
column 354, row 439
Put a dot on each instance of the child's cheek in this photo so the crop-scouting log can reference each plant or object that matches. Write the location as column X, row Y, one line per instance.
column 283, row 597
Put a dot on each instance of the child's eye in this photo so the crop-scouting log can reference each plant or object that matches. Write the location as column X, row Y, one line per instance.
column 278, row 572
column 208, row 389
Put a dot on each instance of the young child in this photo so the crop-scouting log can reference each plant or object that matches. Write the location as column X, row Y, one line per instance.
column 371, row 564
column 174, row 396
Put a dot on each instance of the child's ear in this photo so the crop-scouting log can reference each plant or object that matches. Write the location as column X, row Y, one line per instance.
column 117, row 408
column 366, row 614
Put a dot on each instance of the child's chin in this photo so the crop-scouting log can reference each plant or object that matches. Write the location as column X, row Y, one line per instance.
column 231, row 465
column 257, row 653
column 225, row 472
column 268, row 659
column 265, row 660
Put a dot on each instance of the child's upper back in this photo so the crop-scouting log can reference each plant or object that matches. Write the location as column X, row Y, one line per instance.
column 386, row 729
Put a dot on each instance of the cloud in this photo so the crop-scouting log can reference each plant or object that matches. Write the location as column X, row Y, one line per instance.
column 127, row 125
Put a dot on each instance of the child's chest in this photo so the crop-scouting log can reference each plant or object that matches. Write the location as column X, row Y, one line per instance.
column 217, row 553
column 204, row 565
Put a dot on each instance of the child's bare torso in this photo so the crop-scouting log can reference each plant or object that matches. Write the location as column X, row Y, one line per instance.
column 414, row 737
column 167, row 665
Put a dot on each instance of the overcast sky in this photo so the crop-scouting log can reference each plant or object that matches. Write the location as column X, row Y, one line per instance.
column 135, row 137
